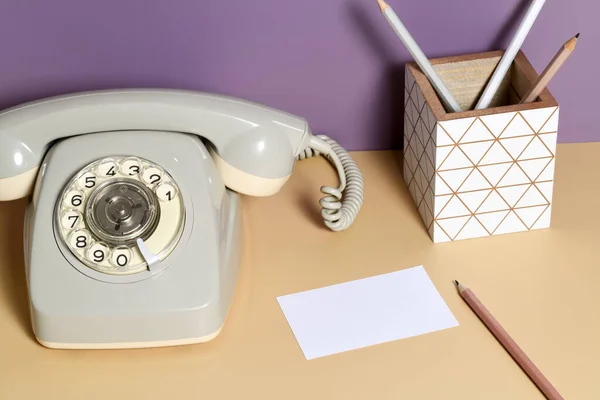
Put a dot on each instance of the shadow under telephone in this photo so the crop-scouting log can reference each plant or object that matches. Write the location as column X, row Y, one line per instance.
column 133, row 232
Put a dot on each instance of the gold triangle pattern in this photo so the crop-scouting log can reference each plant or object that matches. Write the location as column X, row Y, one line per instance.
column 493, row 173
column 552, row 124
column 477, row 132
column 517, row 127
column 456, row 128
column 491, row 220
column 478, row 176
column 474, row 199
column 419, row 150
column 475, row 151
column 472, row 229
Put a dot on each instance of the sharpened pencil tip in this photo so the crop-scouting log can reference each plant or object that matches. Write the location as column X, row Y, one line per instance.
column 456, row 283
column 577, row 36
column 383, row 5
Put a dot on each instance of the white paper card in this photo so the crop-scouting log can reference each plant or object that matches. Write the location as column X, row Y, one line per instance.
column 365, row 312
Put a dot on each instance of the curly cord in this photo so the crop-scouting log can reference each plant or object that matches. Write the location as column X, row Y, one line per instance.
column 340, row 205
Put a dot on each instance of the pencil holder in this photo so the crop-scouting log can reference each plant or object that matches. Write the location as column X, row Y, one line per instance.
column 479, row 172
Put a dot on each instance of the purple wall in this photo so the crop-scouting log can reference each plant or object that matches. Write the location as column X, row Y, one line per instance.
column 335, row 62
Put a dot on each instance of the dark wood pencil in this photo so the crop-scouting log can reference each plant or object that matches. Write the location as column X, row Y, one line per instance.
column 509, row 344
column 551, row 69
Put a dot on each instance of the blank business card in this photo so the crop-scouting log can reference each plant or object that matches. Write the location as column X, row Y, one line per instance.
column 366, row 312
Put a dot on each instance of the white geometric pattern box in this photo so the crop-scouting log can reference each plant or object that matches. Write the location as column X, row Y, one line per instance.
column 479, row 173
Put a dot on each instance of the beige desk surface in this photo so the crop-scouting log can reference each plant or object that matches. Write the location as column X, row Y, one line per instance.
column 543, row 286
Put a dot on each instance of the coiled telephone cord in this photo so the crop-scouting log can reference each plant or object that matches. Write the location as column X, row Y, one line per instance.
column 340, row 205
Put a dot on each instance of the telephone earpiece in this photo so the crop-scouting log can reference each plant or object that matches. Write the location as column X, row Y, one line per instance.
column 257, row 163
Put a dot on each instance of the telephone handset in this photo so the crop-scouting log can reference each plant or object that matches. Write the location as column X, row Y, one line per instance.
column 133, row 233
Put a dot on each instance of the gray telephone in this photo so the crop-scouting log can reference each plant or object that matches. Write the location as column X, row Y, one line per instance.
column 132, row 235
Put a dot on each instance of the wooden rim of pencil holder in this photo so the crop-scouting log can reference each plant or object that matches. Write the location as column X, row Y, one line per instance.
column 466, row 77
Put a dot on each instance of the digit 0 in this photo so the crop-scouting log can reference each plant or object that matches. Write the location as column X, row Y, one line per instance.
column 122, row 260
column 120, row 257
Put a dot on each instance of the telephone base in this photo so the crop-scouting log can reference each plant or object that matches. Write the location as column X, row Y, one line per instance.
column 186, row 302
column 129, row 345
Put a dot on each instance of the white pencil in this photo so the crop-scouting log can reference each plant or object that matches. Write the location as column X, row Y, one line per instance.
column 510, row 53
column 418, row 56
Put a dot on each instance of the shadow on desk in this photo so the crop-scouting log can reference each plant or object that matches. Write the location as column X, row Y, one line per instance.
column 13, row 287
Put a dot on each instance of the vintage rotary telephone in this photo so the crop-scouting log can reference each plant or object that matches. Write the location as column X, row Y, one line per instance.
column 132, row 235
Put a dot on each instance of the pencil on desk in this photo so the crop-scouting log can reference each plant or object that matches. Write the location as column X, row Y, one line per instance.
column 550, row 70
column 509, row 344
column 509, row 55
column 420, row 58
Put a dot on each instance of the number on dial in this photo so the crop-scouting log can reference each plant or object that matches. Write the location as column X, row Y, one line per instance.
column 107, row 168
column 70, row 219
column 74, row 198
column 131, row 166
column 80, row 239
column 98, row 252
column 120, row 256
column 87, row 180
column 166, row 192
column 152, row 175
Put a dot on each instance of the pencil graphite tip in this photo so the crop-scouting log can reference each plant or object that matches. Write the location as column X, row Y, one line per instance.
column 383, row 5
column 570, row 44
column 459, row 287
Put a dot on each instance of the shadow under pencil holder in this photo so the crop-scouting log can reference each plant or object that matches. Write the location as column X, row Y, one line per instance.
column 483, row 172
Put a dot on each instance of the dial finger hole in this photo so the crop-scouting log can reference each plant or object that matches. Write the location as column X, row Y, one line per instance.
column 152, row 175
column 166, row 191
column 107, row 168
column 86, row 181
column 98, row 252
column 74, row 198
column 80, row 239
column 120, row 256
column 70, row 219
column 131, row 166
